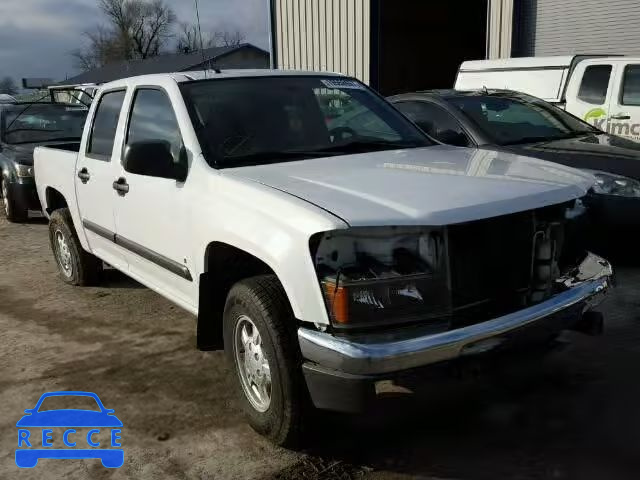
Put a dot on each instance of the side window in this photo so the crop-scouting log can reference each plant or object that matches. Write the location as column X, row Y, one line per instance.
column 631, row 86
column 436, row 122
column 595, row 81
column 104, row 126
column 153, row 119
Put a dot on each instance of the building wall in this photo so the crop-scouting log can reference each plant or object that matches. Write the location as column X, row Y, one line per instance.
column 564, row 27
column 499, row 28
column 323, row 35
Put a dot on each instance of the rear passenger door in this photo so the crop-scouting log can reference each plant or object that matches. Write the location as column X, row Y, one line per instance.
column 589, row 92
column 152, row 216
column 624, row 107
column 96, row 169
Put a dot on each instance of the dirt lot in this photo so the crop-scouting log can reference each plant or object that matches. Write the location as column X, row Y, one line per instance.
column 574, row 414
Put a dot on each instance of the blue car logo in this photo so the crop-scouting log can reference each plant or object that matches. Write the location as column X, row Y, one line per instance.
column 36, row 437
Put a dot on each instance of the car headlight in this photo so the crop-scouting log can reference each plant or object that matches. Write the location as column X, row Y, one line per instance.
column 24, row 170
column 383, row 275
column 612, row 184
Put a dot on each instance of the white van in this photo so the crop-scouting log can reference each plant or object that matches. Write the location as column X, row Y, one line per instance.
column 604, row 91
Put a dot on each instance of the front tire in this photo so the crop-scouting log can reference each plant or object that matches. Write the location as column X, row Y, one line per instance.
column 75, row 265
column 13, row 210
column 260, row 342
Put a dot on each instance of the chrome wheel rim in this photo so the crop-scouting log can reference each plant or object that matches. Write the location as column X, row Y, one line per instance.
column 252, row 364
column 63, row 253
column 5, row 203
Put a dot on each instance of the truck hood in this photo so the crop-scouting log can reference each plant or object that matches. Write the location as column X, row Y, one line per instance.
column 424, row 186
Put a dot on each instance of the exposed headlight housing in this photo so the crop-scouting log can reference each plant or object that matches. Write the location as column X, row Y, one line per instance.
column 381, row 276
column 612, row 184
column 24, row 170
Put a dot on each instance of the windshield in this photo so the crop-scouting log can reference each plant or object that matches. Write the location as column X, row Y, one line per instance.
column 511, row 120
column 66, row 402
column 251, row 121
column 37, row 123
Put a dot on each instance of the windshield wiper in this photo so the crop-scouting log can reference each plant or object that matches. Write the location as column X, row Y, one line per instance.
column 546, row 139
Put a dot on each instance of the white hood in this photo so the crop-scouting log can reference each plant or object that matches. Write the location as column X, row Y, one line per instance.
column 427, row 186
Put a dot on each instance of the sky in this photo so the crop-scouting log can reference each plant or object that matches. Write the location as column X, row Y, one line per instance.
column 36, row 36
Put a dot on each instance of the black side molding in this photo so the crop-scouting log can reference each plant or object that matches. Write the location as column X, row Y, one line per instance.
column 154, row 257
column 144, row 252
column 98, row 230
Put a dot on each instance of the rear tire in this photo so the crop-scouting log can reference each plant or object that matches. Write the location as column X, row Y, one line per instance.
column 257, row 309
column 75, row 265
column 12, row 209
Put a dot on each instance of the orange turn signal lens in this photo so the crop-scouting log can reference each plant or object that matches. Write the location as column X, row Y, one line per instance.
column 337, row 301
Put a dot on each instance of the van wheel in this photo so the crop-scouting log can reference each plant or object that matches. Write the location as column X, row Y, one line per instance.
column 13, row 211
column 75, row 265
column 259, row 339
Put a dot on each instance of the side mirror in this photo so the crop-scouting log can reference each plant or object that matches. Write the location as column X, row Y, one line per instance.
column 154, row 159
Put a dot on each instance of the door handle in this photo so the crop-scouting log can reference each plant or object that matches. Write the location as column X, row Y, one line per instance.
column 83, row 175
column 621, row 116
column 121, row 186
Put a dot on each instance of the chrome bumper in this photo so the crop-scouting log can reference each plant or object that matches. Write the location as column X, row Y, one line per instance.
column 587, row 286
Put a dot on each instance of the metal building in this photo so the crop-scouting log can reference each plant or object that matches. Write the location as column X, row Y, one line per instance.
column 403, row 45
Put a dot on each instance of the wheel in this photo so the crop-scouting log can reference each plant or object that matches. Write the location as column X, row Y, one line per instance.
column 259, row 339
column 13, row 210
column 75, row 265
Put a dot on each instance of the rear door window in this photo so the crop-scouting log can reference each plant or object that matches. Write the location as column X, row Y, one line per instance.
column 595, row 81
column 631, row 86
column 105, row 122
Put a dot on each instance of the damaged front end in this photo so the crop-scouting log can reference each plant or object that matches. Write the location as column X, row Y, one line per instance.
column 404, row 298
column 449, row 277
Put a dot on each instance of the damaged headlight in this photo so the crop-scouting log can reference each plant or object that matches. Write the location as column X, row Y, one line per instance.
column 24, row 170
column 612, row 184
column 383, row 275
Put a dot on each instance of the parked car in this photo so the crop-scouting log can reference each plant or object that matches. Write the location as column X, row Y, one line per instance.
column 6, row 98
column 512, row 122
column 602, row 90
column 22, row 127
column 321, row 259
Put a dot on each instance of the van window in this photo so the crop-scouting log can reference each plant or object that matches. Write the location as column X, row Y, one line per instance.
column 595, row 81
column 631, row 86
column 105, row 122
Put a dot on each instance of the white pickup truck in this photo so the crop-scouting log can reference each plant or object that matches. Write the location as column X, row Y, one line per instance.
column 321, row 239
column 604, row 91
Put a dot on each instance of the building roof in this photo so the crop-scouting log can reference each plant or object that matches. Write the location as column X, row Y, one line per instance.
column 174, row 62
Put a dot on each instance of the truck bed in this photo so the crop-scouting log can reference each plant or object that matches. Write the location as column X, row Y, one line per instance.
column 54, row 168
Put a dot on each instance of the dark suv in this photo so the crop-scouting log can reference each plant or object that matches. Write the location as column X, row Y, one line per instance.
column 23, row 126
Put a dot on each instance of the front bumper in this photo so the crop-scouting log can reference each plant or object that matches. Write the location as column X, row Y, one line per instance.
column 336, row 362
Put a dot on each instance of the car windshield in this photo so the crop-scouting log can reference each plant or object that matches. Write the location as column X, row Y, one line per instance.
column 37, row 123
column 510, row 120
column 252, row 121
column 65, row 402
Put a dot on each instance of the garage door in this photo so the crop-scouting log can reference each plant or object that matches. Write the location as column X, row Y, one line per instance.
column 562, row 27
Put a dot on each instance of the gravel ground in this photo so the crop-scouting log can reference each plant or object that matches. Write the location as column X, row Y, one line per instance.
column 573, row 414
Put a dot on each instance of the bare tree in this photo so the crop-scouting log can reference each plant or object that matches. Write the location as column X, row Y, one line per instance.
column 134, row 29
column 8, row 86
column 229, row 38
column 189, row 38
